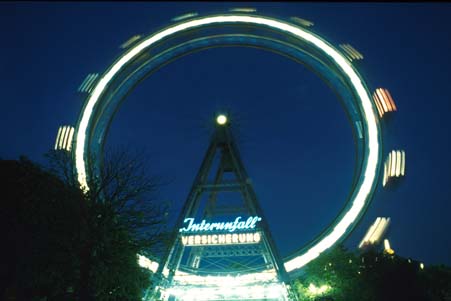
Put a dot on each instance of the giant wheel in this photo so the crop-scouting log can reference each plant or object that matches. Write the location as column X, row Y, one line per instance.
column 243, row 29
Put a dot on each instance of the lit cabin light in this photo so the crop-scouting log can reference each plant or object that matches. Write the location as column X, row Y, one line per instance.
column 146, row 263
column 422, row 266
column 384, row 101
column 64, row 138
column 394, row 166
column 130, row 41
column 387, row 248
column 375, row 232
column 350, row 52
column 221, row 119
column 184, row 16
column 88, row 83
column 243, row 10
column 302, row 22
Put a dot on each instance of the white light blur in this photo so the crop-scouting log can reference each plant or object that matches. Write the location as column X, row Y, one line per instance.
column 87, row 84
column 71, row 136
column 185, row 16
column 368, row 170
column 57, row 138
column 130, row 41
column 380, row 230
column 383, row 101
column 375, row 232
column 386, row 244
column 370, row 232
column 64, row 138
column 235, row 280
column 221, row 119
column 314, row 290
column 276, row 291
column 243, row 10
column 394, row 165
column 352, row 53
column 398, row 163
column 403, row 163
column 302, row 22
column 146, row 263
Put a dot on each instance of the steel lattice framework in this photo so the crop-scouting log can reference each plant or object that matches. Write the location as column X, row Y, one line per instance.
column 229, row 176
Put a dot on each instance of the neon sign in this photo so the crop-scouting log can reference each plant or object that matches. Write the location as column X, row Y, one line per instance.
column 204, row 226
column 221, row 239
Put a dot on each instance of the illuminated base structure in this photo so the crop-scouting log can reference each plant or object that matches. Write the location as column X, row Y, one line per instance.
column 254, row 286
column 221, row 248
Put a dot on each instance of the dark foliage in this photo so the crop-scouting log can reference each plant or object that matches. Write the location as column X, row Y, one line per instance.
column 372, row 276
column 60, row 243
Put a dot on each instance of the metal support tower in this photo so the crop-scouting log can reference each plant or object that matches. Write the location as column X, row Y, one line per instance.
column 221, row 189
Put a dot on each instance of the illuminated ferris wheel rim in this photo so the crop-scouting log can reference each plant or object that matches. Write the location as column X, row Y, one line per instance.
column 368, row 174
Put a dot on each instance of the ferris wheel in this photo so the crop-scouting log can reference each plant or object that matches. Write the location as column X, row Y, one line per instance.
column 244, row 27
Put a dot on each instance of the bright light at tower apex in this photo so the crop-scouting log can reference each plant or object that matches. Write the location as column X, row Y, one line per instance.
column 221, row 119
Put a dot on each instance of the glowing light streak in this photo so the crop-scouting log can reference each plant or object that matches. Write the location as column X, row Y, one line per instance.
column 184, row 17
column 380, row 230
column 87, row 84
column 393, row 163
column 375, row 232
column 130, row 41
column 243, row 10
column 83, row 84
column 358, row 125
column 64, row 138
column 382, row 100
column 351, row 52
column 398, row 164
column 224, row 292
column 389, row 99
column 387, row 247
column 379, row 106
column 71, row 136
column 368, row 171
column 315, row 291
column 236, row 280
column 146, row 263
column 370, row 232
column 57, row 138
column 388, row 162
column 302, row 22
column 61, row 138
column 403, row 163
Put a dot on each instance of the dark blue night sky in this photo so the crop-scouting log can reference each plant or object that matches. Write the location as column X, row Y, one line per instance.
column 294, row 137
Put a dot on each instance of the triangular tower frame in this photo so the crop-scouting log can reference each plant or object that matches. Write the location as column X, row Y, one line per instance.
column 270, row 276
